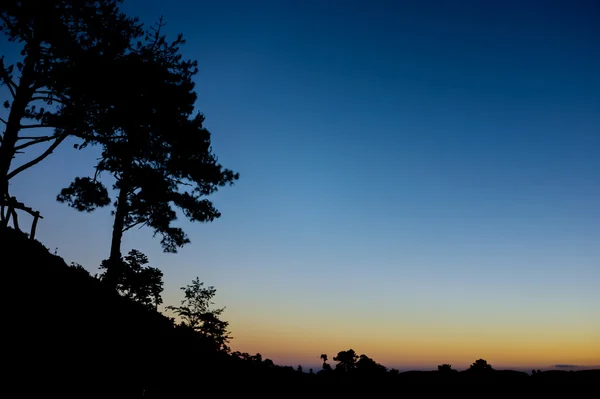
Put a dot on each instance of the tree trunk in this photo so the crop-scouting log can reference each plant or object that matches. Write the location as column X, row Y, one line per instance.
column 114, row 260
column 23, row 95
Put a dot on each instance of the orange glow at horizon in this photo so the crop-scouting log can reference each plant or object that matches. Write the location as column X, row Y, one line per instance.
column 506, row 349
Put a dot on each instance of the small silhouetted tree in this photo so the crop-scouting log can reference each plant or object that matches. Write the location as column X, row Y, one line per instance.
column 137, row 281
column 197, row 313
column 445, row 368
column 326, row 366
column 346, row 360
column 158, row 153
column 480, row 365
column 299, row 368
column 62, row 44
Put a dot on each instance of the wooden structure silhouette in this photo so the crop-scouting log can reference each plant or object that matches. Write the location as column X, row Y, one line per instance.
column 8, row 209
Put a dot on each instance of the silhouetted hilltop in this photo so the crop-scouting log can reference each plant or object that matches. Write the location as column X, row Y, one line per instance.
column 70, row 334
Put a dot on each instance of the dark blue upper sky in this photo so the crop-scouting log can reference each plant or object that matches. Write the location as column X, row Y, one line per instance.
column 383, row 146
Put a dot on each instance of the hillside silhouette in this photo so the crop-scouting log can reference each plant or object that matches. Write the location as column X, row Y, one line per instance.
column 70, row 334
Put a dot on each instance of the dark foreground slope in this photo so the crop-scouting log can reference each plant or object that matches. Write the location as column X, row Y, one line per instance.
column 66, row 335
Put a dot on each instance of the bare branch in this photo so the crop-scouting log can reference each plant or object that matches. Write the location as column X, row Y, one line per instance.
column 3, row 121
column 36, row 140
column 104, row 140
column 44, row 92
column 97, row 173
column 34, row 126
column 38, row 159
column 141, row 223
column 31, row 137
column 50, row 99
column 180, row 182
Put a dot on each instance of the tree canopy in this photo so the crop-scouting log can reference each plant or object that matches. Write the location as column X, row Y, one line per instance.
column 346, row 360
column 446, row 368
column 140, row 283
column 480, row 365
column 62, row 44
column 197, row 313
column 154, row 146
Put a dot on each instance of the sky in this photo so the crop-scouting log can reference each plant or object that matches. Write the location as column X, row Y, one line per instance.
column 419, row 180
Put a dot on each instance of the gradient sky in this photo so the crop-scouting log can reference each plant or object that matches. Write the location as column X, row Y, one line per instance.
column 419, row 180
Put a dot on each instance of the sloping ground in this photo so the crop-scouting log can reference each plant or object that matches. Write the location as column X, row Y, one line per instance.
column 65, row 333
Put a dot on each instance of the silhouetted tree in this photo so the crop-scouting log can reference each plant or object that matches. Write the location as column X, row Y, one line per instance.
column 446, row 368
column 238, row 354
column 366, row 364
column 346, row 360
column 216, row 329
column 326, row 366
column 196, row 313
column 256, row 358
column 480, row 365
column 62, row 44
column 158, row 153
column 136, row 281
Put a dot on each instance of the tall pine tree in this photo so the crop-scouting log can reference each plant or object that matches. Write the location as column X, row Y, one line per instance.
column 158, row 150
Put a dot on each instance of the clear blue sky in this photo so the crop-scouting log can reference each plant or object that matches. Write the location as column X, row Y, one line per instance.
column 413, row 174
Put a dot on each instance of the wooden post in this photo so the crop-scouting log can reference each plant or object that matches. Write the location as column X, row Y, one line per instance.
column 6, row 218
column 15, row 219
column 36, row 216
